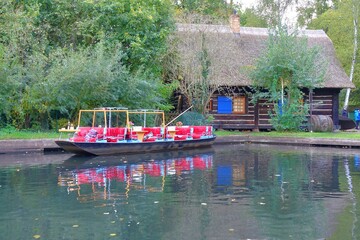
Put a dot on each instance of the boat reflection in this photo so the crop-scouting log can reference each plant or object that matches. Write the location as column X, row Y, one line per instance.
column 145, row 175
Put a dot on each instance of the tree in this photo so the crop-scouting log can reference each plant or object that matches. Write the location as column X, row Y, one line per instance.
column 309, row 10
column 355, row 11
column 48, row 45
column 250, row 18
column 275, row 10
column 96, row 77
column 340, row 28
column 208, row 11
column 287, row 66
column 191, row 67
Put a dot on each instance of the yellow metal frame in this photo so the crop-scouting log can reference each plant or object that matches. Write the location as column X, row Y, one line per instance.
column 147, row 111
column 128, row 112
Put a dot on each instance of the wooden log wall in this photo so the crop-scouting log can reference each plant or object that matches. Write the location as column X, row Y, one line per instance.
column 256, row 117
column 325, row 102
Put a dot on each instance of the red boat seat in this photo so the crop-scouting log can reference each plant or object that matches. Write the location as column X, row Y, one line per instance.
column 153, row 133
column 183, row 132
column 115, row 134
column 79, row 135
column 88, row 134
column 100, row 132
column 199, row 131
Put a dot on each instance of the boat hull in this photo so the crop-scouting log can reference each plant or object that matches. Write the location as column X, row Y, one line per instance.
column 108, row 148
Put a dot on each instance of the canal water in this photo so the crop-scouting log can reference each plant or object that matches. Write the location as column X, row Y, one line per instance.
column 224, row 192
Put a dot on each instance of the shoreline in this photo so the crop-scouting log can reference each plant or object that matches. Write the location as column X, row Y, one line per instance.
column 49, row 145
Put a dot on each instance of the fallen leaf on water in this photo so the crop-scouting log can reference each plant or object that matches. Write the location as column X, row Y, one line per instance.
column 204, row 204
column 37, row 236
column 112, row 234
column 231, row 230
column 75, row 226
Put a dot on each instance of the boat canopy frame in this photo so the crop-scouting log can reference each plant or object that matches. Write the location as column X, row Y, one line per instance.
column 107, row 112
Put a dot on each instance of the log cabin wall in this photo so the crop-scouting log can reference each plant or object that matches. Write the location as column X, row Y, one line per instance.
column 256, row 116
column 325, row 102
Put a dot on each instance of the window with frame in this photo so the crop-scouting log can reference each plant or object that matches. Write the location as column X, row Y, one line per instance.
column 209, row 106
column 239, row 104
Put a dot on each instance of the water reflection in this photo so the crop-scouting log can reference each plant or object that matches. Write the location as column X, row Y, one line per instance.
column 135, row 176
column 227, row 192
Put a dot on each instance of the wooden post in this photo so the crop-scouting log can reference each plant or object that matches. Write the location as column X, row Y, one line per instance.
column 256, row 117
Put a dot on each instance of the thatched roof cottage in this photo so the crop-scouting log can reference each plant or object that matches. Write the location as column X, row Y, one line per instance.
column 232, row 51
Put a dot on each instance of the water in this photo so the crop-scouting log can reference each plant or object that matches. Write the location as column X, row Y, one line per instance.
column 224, row 192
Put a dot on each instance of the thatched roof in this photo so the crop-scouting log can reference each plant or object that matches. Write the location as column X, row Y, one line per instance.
column 232, row 53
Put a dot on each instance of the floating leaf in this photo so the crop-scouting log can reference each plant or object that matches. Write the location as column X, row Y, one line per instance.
column 36, row 236
column 112, row 234
column 204, row 204
column 75, row 226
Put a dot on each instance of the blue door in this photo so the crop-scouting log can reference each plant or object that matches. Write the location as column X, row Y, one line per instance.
column 224, row 104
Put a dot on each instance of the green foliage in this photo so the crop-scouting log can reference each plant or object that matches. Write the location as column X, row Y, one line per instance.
column 287, row 66
column 274, row 11
column 192, row 118
column 141, row 27
column 311, row 9
column 216, row 10
column 338, row 25
column 60, row 56
column 289, row 117
column 59, row 123
column 97, row 77
column 250, row 18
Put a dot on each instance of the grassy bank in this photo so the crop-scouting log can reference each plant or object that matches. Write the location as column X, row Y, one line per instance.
column 15, row 134
column 338, row 135
column 6, row 134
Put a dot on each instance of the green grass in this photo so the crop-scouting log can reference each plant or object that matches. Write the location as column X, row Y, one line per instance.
column 340, row 134
column 6, row 133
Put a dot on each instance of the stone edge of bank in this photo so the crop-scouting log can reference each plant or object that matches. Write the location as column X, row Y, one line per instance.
column 49, row 145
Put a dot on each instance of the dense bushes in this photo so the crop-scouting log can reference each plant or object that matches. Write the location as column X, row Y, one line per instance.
column 59, row 56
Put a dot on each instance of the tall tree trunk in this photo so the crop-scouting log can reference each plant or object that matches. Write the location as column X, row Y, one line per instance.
column 355, row 8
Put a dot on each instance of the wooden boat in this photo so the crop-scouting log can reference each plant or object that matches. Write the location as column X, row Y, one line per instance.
column 109, row 131
column 346, row 123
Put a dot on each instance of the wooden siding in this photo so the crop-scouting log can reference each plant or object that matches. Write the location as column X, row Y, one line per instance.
column 257, row 116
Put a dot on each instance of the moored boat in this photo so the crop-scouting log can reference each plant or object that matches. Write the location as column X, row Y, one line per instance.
column 109, row 131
